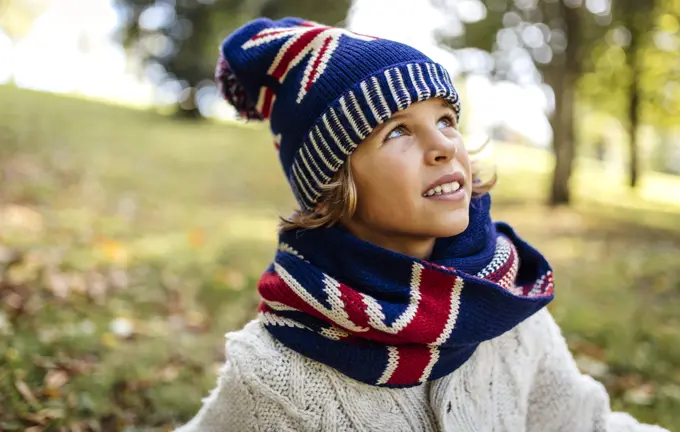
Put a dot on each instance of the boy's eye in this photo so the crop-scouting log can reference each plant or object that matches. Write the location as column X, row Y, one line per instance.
column 445, row 122
column 396, row 132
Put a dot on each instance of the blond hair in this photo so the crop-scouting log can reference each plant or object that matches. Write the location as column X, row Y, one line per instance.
column 338, row 199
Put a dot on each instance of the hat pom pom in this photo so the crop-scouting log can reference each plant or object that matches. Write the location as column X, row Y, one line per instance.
column 234, row 92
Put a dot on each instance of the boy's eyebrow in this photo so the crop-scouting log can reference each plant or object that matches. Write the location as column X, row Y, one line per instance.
column 392, row 119
column 445, row 104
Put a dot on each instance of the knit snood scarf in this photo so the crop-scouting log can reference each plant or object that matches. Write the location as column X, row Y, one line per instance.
column 387, row 319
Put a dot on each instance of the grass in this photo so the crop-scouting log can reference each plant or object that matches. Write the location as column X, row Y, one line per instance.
column 130, row 243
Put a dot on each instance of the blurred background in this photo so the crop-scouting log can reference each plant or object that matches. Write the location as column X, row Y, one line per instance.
column 136, row 214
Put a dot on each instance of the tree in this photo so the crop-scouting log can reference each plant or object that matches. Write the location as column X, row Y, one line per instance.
column 178, row 40
column 634, row 70
column 556, row 35
column 17, row 16
column 637, row 18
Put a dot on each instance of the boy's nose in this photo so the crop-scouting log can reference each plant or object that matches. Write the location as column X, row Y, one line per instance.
column 441, row 149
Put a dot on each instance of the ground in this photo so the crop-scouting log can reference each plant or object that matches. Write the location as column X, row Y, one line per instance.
column 130, row 243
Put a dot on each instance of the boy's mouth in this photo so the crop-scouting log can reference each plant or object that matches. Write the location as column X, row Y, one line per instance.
column 445, row 185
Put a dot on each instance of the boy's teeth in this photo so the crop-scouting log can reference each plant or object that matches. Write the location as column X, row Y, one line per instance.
column 443, row 189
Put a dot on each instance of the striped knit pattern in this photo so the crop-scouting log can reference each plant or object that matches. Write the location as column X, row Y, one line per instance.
column 390, row 320
column 323, row 90
column 352, row 117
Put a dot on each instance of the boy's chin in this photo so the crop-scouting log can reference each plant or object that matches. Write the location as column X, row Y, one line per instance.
column 450, row 227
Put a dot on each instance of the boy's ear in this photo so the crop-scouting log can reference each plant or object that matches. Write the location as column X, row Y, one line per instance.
column 321, row 208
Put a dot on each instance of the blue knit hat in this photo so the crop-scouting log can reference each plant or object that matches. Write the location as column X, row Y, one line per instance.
column 323, row 89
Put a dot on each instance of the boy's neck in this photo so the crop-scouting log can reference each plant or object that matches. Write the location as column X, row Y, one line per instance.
column 416, row 247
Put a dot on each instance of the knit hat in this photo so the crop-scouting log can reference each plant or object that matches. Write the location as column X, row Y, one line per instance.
column 323, row 90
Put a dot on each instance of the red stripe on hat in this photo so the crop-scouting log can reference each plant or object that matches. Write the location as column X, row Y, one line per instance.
column 412, row 362
column 296, row 48
column 310, row 24
column 264, row 35
column 268, row 102
column 315, row 66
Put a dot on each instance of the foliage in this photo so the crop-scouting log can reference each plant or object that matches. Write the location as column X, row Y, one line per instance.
column 654, row 29
column 178, row 40
column 17, row 16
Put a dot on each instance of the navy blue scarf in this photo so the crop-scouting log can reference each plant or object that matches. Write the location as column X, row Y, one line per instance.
column 391, row 320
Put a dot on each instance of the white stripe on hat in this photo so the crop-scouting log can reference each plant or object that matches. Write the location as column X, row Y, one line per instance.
column 414, row 82
column 349, row 113
column 376, row 86
column 400, row 80
column 300, row 183
column 331, row 132
column 316, row 169
column 366, row 127
column 432, row 80
column 395, row 96
column 349, row 145
column 369, row 101
column 438, row 77
column 321, row 155
column 421, row 75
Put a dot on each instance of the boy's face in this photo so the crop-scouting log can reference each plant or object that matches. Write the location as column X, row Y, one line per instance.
column 395, row 169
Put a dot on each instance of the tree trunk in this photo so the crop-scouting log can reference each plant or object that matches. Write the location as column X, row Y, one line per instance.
column 633, row 122
column 562, row 122
column 634, row 99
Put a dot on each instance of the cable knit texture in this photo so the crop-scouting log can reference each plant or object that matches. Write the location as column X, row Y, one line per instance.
column 524, row 380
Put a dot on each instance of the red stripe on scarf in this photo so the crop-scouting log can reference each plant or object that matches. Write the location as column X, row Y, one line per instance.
column 425, row 327
column 412, row 362
column 434, row 307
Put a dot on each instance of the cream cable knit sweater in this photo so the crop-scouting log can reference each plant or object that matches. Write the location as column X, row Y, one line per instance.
column 524, row 380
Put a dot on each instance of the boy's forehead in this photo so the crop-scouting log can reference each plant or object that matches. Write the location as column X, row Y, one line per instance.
column 428, row 104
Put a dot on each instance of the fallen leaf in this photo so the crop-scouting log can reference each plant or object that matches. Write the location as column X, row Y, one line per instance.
column 14, row 300
column 51, row 413
column 169, row 373
column 55, row 379
column 26, row 392
column 35, row 418
column 642, row 395
column 196, row 238
column 234, row 279
column 595, row 368
column 21, row 218
column 58, row 284
column 114, row 251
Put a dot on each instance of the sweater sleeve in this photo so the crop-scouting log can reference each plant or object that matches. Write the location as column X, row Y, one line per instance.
column 563, row 399
column 237, row 404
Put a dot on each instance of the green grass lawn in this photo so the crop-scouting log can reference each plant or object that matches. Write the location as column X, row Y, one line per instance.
column 130, row 243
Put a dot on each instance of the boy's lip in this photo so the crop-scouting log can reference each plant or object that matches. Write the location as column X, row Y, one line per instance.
column 448, row 178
